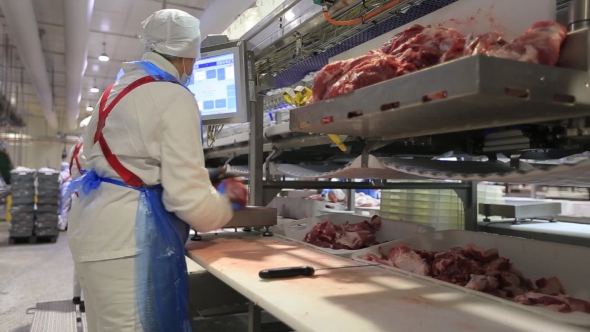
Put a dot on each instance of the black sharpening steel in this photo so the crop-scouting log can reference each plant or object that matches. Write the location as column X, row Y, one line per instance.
column 299, row 271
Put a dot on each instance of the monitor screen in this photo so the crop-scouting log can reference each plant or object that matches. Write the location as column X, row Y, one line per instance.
column 214, row 85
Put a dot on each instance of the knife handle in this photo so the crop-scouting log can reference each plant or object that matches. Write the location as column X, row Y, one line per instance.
column 287, row 272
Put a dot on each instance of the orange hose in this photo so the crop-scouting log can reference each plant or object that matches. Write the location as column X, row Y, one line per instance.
column 361, row 19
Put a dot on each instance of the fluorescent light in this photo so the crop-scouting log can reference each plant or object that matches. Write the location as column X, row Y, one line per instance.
column 94, row 89
column 89, row 108
column 103, row 57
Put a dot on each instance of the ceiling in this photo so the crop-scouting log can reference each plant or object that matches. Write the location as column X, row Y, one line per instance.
column 117, row 23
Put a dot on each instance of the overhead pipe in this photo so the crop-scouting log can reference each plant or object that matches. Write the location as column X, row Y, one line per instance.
column 78, row 15
column 22, row 24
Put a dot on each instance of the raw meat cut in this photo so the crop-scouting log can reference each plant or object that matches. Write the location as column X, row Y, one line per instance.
column 421, row 47
column 551, row 286
column 344, row 236
column 484, row 271
column 481, row 283
column 406, row 259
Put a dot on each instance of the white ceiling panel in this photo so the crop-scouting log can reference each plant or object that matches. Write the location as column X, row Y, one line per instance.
column 114, row 22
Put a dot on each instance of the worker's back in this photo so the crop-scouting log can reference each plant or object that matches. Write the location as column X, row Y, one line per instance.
column 152, row 131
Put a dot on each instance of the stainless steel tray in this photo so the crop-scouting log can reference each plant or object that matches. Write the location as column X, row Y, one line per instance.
column 479, row 92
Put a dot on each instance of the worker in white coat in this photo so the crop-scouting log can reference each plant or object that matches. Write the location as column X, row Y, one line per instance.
column 146, row 185
column 77, row 167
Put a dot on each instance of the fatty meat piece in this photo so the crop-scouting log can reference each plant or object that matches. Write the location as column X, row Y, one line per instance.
column 482, row 282
column 405, row 258
column 551, row 286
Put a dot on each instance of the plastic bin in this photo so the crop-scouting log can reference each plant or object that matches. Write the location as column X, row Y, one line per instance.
column 50, row 191
column 47, row 217
column 48, row 200
column 47, row 208
column 536, row 259
column 390, row 229
column 24, row 200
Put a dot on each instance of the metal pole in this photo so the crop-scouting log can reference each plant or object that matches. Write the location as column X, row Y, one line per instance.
column 5, row 71
column 470, row 207
column 164, row 2
column 255, row 156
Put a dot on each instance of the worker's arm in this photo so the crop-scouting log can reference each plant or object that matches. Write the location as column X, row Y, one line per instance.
column 187, row 189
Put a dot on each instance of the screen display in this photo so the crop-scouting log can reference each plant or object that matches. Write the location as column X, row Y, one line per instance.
column 214, row 85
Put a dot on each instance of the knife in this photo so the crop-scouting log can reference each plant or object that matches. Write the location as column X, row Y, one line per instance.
column 220, row 173
column 299, row 271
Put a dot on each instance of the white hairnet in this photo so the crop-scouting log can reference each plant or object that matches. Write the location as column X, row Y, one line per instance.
column 172, row 32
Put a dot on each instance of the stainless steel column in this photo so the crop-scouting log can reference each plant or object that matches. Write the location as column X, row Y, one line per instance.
column 578, row 14
column 255, row 157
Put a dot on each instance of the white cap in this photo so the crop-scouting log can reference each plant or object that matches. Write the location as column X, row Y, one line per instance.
column 172, row 32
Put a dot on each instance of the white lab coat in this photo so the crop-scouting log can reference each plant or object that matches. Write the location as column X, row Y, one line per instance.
column 155, row 133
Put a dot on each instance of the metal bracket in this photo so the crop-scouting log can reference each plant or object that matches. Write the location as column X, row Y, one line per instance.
column 275, row 153
column 230, row 157
column 369, row 146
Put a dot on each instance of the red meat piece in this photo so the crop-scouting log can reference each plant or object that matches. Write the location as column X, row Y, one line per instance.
column 420, row 47
column 550, row 302
column 540, row 44
column 350, row 237
column 482, row 282
column 499, row 264
column 455, row 268
column 380, row 260
column 479, row 254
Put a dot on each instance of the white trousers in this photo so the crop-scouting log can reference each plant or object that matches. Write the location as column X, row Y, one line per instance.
column 109, row 295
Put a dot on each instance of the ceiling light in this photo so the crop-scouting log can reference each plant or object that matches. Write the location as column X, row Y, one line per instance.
column 104, row 57
column 89, row 108
column 94, row 88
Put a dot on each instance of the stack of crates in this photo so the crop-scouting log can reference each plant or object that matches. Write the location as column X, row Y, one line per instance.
column 23, row 204
column 48, row 200
column 439, row 208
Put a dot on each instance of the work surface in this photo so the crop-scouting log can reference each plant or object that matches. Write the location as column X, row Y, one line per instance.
column 357, row 299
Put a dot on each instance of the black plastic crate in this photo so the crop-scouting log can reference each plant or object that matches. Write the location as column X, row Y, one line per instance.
column 51, row 231
column 48, row 185
column 52, row 191
column 25, row 200
column 18, row 209
column 54, row 208
column 47, row 217
column 22, row 192
column 47, row 200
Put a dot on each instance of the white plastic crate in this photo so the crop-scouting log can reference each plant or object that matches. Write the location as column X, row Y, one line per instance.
column 536, row 259
column 390, row 229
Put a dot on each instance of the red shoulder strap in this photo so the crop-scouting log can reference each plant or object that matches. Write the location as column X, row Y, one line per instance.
column 75, row 158
column 128, row 177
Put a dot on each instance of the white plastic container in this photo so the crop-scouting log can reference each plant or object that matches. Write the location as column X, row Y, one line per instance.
column 536, row 259
column 295, row 231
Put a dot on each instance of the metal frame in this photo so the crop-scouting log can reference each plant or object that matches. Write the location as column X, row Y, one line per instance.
column 244, row 78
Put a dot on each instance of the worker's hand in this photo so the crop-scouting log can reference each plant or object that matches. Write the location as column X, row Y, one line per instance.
column 235, row 190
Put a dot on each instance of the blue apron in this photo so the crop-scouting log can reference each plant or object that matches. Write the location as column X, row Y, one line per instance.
column 160, row 275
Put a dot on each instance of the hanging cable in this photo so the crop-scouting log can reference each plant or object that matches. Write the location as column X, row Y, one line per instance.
column 362, row 19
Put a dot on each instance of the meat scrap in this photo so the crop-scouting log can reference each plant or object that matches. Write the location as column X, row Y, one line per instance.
column 421, row 47
column 345, row 236
column 485, row 271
